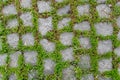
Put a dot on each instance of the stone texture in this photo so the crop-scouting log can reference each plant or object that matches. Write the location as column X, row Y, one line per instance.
column 59, row 1
column 87, row 77
column 118, row 35
column 118, row 4
column 66, row 38
column 83, row 9
column 47, row 45
column 101, row 1
column 45, row 25
column 12, row 23
column 49, row 66
column 44, row 6
column 12, row 77
column 85, row 42
column 33, row 75
column 1, row 76
column 28, row 39
column 118, row 21
column 26, row 3
column 30, row 57
column 104, row 29
column 104, row 46
column 104, row 78
column 105, row 65
column 117, row 51
column 12, row 40
column 67, row 54
column 103, row 11
column 3, row 58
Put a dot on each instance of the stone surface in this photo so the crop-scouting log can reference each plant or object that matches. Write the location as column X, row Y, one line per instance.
column 87, row 77
column 12, row 40
column 66, row 38
column 12, row 77
column 45, row 25
column 28, row 39
column 44, row 6
column 9, row 10
column 26, row 3
column 30, row 57
column 118, row 4
column 83, row 9
column 104, row 29
column 3, row 58
column 47, row 45
column 49, row 66
column 69, row 74
column 59, row 1
column 118, row 35
column 117, row 51
column 103, row 11
column 1, row 76
column 83, row 26
column 67, row 54
column 105, row 65
column 118, row 21
column 33, row 75
column 104, row 46
column 101, row 1
column 85, row 42
column 104, row 78
column 27, row 19
column 64, row 22
column 12, row 23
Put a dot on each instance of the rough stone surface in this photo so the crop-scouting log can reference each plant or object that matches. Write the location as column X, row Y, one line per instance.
column 105, row 65
column 30, row 57
column 44, row 6
column 67, row 54
column 101, row 1
column 47, row 45
column 49, row 66
column 104, row 29
column 103, row 11
column 1, row 76
column 83, row 9
column 13, row 39
column 26, row 3
column 28, row 39
column 87, row 77
column 3, row 58
column 13, row 77
column 104, row 46
column 118, row 35
column 118, row 21
column 45, row 25
column 104, row 78
column 32, row 75
column 12, row 23
column 66, row 38
column 59, row 1
column 118, row 3
column 117, row 51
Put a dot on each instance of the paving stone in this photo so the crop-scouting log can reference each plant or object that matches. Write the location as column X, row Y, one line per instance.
column 13, row 77
column 59, row 1
column 44, row 6
column 104, row 78
column 104, row 29
column 117, row 51
column 87, row 77
column 118, row 4
column 67, row 54
column 9, row 10
column 26, row 3
column 105, row 65
column 104, row 46
column 69, row 74
column 84, row 62
column 64, row 22
column 14, row 59
column 3, row 58
column 118, row 21
column 83, row 9
column 1, row 76
column 49, row 66
column 103, row 11
column 118, row 35
column 64, row 10
column 33, row 75
column 12, row 23
column 101, row 1
column 30, row 57
column 85, row 42
column 28, row 39
column 47, row 45
column 66, row 38
column 45, row 25
column 13, row 39
column 27, row 19
column 83, row 26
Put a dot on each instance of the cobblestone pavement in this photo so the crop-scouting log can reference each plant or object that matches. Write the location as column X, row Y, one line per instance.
column 59, row 40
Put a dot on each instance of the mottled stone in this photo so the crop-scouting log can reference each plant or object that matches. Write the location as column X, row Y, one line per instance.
column 3, row 58
column 101, row 1
column 87, row 77
column 117, row 51
column 104, row 78
column 118, row 35
column 118, row 21
column 59, row 1
column 26, row 3
column 33, row 75
column 12, row 23
column 13, row 77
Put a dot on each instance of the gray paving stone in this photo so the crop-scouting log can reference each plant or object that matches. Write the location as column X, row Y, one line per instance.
column 118, row 35
column 118, row 21
column 85, row 42
column 103, row 10
column 83, row 9
column 117, row 51
column 30, row 57
column 45, row 25
column 69, row 74
column 33, row 75
column 27, row 19
column 47, row 45
column 49, row 66
column 83, row 26
column 104, row 29
column 44, row 6
column 84, row 62
column 59, row 1
column 9, row 10
column 28, row 39
column 105, row 65
column 26, row 3
column 12, row 23
column 3, row 58
column 64, row 10
column 87, row 77
column 13, row 77
column 101, row 1
column 67, row 54
column 1, row 76
column 118, row 3
column 14, row 59
column 66, row 38
column 104, row 46
column 104, row 78
column 64, row 22
column 12, row 40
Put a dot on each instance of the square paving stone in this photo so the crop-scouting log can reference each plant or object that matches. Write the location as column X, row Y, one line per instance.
column 104, row 78
column 3, row 58
column 87, row 77
column 118, row 21
column 117, row 51
column 13, row 77
column 118, row 35
column 12, row 23
column 26, row 3
column 59, row 1
column 32, row 75
column 101, row 1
